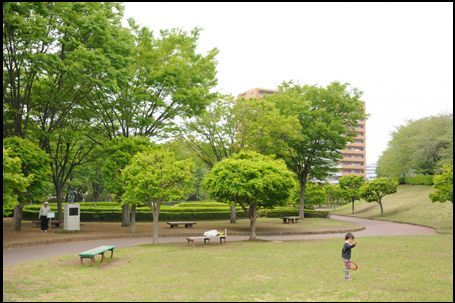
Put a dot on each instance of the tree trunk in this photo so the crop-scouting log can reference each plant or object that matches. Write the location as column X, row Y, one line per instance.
column 156, row 225
column 132, row 219
column 382, row 210
column 352, row 205
column 233, row 214
column 126, row 215
column 17, row 217
column 253, row 222
column 302, row 197
column 59, row 191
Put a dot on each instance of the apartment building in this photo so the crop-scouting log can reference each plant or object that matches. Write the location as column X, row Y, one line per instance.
column 354, row 155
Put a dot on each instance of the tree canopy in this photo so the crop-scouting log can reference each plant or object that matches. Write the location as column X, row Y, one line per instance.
column 253, row 181
column 418, row 147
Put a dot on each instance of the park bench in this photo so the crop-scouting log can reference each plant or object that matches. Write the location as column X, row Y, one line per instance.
column 290, row 219
column 100, row 250
column 176, row 224
column 55, row 223
column 221, row 236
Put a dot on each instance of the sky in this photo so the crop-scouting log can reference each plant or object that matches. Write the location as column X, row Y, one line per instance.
column 400, row 55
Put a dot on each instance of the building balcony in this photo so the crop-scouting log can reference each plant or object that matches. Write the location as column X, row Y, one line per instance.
column 360, row 167
column 354, row 152
column 355, row 144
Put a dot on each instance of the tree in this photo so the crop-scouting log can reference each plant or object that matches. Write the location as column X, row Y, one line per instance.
column 333, row 194
column 350, row 188
column 117, row 154
column 315, row 194
column 326, row 119
column 165, row 78
column 14, row 182
column 35, row 167
column 444, row 185
column 153, row 177
column 251, row 180
column 375, row 190
column 418, row 147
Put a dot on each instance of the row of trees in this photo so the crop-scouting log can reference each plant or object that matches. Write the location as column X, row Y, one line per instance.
column 89, row 94
column 75, row 79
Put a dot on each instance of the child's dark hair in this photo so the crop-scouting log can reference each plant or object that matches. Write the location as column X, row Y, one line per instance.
column 349, row 236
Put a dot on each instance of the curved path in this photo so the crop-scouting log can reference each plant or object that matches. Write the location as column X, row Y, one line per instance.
column 372, row 228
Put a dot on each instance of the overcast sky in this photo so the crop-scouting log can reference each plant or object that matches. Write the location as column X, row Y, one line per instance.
column 399, row 54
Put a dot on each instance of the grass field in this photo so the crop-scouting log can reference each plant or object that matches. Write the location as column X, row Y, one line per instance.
column 411, row 205
column 412, row 268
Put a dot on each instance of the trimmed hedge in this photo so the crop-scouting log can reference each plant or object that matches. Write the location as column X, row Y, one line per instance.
column 183, row 214
column 278, row 213
column 202, row 204
column 419, row 180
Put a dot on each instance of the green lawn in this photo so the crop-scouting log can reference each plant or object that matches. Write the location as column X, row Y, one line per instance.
column 411, row 205
column 411, row 268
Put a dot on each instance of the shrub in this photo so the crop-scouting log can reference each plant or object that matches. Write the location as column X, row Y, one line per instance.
column 419, row 180
column 202, row 204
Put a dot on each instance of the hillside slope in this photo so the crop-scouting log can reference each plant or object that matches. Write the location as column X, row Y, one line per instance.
column 410, row 205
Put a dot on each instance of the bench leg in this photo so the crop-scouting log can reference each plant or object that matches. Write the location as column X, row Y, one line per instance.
column 112, row 252
column 102, row 257
column 81, row 260
column 92, row 260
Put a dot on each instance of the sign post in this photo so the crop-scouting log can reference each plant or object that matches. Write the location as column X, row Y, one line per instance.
column 50, row 216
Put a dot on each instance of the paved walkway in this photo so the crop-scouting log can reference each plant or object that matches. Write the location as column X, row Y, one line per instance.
column 372, row 228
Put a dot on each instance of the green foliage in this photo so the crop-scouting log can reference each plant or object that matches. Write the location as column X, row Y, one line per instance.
column 201, row 204
column 325, row 116
column 14, row 181
column 282, row 212
column 315, row 194
column 419, row 180
column 376, row 189
column 155, row 176
column 333, row 193
column 34, row 166
column 419, row 147
column 350, row 188
column 116, row 155
column 444, row 185
column 250, row 178
column 253, row 181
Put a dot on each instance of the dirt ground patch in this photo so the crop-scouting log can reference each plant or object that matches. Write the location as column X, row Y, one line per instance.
column 31, row 235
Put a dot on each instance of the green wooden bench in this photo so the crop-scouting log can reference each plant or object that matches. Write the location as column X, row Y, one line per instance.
column 100, row 250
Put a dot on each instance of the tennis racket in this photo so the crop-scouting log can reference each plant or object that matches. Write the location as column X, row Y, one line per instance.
column 352, row 265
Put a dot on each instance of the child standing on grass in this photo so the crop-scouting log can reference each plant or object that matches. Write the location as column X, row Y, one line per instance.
column 346, row 254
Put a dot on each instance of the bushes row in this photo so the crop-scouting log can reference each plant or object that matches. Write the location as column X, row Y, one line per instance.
column 419, row 180
column 278, row 213
column 146, row 215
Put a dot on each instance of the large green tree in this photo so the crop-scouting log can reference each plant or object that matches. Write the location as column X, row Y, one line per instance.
column 153, row 177
column 326, row 117
column 418, row 147
column 117, row 154
column 375, row 190
column 165, row 78
column 251, row 180
column 35, row 167
column 350, row 188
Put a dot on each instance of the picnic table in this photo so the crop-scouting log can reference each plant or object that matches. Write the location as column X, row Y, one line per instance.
column 291, row 219
column 176, row 224
column 100, row 250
